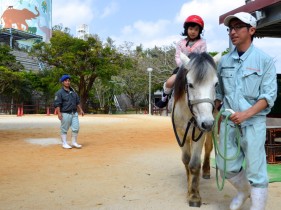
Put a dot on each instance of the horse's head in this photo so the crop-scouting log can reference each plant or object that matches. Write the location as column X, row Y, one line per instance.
column 198, row 79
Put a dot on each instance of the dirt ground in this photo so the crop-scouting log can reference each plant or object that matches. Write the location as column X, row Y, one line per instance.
column 127, row 162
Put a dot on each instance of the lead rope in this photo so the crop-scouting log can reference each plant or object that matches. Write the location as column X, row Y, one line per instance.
column 218, row 152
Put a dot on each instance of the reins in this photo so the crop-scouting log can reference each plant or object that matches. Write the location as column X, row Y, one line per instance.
column 191, row 121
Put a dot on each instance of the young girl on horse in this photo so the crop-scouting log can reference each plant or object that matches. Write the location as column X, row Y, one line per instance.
column 193, row 27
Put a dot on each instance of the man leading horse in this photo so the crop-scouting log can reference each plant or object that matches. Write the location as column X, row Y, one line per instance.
column 248, row 86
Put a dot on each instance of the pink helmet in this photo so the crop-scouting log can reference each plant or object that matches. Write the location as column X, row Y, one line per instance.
column 195, row 19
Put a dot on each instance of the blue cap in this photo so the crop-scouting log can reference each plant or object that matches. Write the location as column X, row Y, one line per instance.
column 64, row 77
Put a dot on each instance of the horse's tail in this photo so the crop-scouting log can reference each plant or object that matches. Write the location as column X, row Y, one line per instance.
column 180, row 84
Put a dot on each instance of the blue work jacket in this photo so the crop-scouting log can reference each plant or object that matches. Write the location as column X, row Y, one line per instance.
column 245, row 80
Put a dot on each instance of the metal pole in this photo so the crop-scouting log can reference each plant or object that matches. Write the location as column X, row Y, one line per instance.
column 149, row 93
column 149, row 89
column 11, row 39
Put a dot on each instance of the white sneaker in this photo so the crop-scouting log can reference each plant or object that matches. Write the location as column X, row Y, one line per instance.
column 66, row 146
column 78, row 146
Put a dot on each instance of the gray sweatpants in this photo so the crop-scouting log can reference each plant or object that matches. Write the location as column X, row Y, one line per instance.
column 69, row 120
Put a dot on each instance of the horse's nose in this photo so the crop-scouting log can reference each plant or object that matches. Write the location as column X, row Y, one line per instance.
column 207, row 125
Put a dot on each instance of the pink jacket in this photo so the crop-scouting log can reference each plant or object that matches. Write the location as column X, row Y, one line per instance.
column 198, row 47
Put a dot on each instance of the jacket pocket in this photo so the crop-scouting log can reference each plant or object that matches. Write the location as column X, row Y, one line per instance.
column 227, row 76
column 251, row 83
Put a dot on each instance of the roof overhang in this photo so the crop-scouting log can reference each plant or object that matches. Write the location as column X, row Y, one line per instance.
column 268, row 14
column 5, row 33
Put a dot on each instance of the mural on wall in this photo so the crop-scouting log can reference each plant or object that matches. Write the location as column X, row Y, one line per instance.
column 31, row 16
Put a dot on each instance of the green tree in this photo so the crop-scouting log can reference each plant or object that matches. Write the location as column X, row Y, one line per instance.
column 9, row 60
column 84, row 60
column 43, row 85
column 13, row 79
column 133, row 77
column 132, row 80
column 15, row 85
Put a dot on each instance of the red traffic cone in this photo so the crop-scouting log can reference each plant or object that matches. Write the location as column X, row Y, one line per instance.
column 19, row 112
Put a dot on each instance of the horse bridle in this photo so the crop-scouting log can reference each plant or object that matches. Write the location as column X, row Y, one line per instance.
column 192, row 119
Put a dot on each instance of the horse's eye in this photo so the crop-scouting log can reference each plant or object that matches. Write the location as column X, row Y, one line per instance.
column 190, row 85
column 216, row 84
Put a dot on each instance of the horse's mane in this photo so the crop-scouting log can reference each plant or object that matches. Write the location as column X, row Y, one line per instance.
column 199, row 64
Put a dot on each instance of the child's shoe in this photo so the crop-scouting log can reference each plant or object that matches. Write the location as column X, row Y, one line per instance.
column 163, row 102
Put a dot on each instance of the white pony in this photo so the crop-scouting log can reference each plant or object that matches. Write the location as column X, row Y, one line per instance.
column 192, row 116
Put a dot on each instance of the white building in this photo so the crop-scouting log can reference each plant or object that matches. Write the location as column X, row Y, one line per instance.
column 82, row 31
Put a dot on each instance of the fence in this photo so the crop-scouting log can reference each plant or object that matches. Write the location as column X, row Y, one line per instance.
column 42, row 108
column 20, row 109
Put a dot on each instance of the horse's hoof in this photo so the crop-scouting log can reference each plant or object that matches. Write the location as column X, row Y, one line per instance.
column 206, row 176
column 194, row 203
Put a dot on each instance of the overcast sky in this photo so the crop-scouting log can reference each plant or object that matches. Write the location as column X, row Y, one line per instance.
column 153, row 22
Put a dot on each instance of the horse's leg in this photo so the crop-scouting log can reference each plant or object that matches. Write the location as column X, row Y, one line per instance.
column 195, row 167
column 185, row 160
column 208, row 149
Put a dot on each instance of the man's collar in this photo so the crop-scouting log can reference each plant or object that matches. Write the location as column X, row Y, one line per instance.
column 67, row 90
column 235, row 53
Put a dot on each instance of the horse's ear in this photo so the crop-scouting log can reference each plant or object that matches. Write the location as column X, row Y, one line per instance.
column 217, row 57
column 184, row 59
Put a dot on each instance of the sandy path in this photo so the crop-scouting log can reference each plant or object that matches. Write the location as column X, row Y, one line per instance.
column 127, row 162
